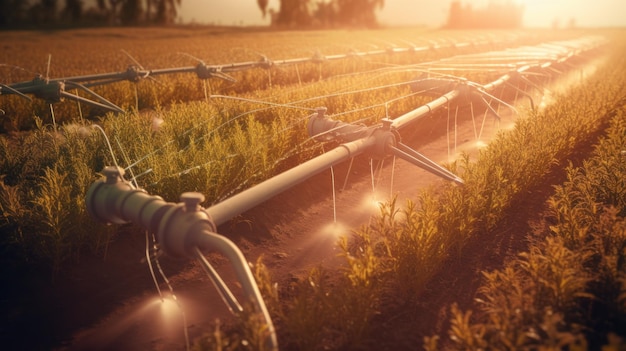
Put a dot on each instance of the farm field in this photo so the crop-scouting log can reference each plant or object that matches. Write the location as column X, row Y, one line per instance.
column 350, row 275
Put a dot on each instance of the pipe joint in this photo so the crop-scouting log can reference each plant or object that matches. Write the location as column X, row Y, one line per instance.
column 182, row 225
column 178, row 226
column 385, row 137
column 103, row 198
column 50, row 91
column 325, row 129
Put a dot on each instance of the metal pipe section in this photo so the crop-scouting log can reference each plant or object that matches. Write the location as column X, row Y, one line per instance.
column 185, row 228
column 385, row 142
column 406, row 153
column 462, row 88
column 422, row 111
column 378, row 141
column 135, row 73
column 112, row 200
column 182, row 229
column 242, row 270
column 247, row 199
column 327, row 129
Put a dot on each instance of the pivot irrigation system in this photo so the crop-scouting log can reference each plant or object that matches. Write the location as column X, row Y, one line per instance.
column 54, row 90
column 186, row 229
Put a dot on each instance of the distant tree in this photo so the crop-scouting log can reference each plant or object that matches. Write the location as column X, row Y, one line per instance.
column 43, row 12
column 13, row 13
column 73, row 10
column 263, row 6
column 49, row 8
column 22, row 13
column 110, row 7
column 294, row 13
column 130, row 12
column 359, row 12
column 148, row 10
column 497, row 14
column 455, row 15
column 326, row 14
column 166, row 11
column 571, row 24
column 306, row 13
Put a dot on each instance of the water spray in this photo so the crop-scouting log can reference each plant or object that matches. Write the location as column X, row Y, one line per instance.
column 53, row 90
column 182, row 230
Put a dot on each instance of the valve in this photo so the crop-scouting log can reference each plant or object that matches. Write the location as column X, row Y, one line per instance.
column 182, row 224
column 318, row 58
column 206, row 72
column 192, row 201
column 380, row 141
column 182, row 230
column 50, row 91
column 265, row 63
column 135, row 74
column 113, row 200
column 323, row 128
column 381, row 137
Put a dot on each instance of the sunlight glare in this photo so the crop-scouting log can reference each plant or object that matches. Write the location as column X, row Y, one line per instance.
column 480, row 144
column 334, row 230
column 372, row 203
column 169, row 307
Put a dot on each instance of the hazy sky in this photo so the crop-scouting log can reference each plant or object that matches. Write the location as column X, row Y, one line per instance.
column 539, row 13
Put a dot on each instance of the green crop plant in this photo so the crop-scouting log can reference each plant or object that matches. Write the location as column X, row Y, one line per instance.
column 590, row 191
column 56, row 215
column 306, row 321
column 575, row 209
column 412, row 247
column 115, row 50
column 320, row 312
column 528, row 304
column 609, row 167
column 247, row 333
column 220, row 146
column 567, row 291
column 404, row 249
column 43, row 194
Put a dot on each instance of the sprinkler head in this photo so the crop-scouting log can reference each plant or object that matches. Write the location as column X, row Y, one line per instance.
column 113, row 174
column 192, row 201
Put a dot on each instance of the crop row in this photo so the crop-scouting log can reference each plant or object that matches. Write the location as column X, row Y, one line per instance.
column 569, row 289
column 390, row 263
column 217, row 148
column 32, row 57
